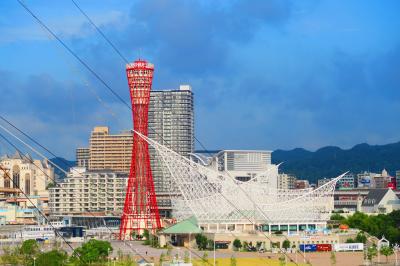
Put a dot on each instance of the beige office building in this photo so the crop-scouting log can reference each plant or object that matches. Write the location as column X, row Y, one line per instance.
column 31, row 176
column 110, row 151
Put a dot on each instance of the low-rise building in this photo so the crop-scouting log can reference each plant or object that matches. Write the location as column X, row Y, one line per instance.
column 323, row 181
column 88, row 191
column 346, row 182
column 301, row 184
column 383, row 180
column 398, row 180
column 380, row 201
column 286, row 181
column 243, row 165
column 366, row 179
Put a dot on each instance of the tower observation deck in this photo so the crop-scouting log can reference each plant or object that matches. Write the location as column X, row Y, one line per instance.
column 140, row 208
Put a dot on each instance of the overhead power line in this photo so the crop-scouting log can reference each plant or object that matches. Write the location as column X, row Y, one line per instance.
column 53, row 179
column 90, row 69
column 15, row 185
column 100, row 32
column 73, row 53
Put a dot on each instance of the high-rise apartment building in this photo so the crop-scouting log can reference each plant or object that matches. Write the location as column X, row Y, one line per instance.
column 110, row 151
column 83, row 157
column 171, row 123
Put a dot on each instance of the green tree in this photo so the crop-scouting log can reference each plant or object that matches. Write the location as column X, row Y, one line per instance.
column 282, row 260
column 237, row 244
column 120, row 254
column 333, row 258
column 29, row 249
column 245, row 245
column 233, row 261
column 361, row 238
column 92, row 251
column 52, row 258
column 201, row 241
column 210, row 244
column 10, row 256
column 204, row 259
column 286, row 244
column 350, row 240
column 147, row 237
column 162, row 258
column 169, row 250
column 186, row 257
column 386, row 251
column 372, row 252
column 337, row 217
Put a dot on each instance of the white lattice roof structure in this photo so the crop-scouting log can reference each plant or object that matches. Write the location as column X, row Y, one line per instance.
column 215, row 197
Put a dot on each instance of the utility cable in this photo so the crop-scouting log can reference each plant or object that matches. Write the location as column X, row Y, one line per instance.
column 73, row 53
column 61, row 188
column 81, row 61
column 15, row 185
column 100, row 32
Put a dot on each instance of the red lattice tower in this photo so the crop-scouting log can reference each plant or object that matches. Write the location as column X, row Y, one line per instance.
column 140, row 208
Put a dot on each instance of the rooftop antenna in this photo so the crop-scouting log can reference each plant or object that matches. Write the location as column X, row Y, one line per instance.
column 140, row 53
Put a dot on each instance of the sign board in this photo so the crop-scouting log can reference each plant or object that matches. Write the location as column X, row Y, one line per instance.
column 349, row 247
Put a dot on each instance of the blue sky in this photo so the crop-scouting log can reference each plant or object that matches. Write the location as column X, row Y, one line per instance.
column 266, row 75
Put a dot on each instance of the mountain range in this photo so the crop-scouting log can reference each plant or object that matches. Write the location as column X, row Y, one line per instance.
column 63, row 164
column 331, row 161
column 328, row 161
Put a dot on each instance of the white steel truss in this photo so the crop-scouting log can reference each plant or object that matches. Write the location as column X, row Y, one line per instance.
column 216, row 197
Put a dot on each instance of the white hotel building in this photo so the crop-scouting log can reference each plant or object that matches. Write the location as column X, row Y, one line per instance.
column 83, row 191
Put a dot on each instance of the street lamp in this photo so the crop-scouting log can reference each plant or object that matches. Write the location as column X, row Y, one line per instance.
column 34, row 261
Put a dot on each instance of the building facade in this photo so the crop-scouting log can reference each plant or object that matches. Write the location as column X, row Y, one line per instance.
column 346, row 182
column 366, row 180
column 398, row 180
column 323, row 181
column 110, row 151
column 301, row 184
column 286, row 181
column 83, row 157
column 380, row 200
column 171, row 123
column 31, row 176
column 383, row 180
column 89, row 191
column 242, row 165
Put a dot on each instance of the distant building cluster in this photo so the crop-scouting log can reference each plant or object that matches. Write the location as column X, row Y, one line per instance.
column 97, row 184
column 23, row 181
